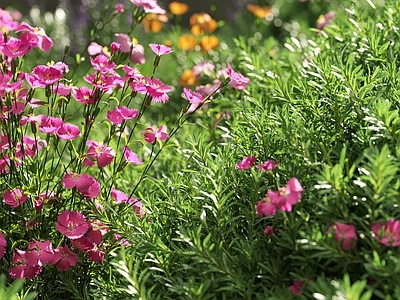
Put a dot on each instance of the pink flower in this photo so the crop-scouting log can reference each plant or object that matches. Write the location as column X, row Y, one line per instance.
column 43, row 198
column 265, row 207
column 79, row 181
column 50, row 125
column 195, row 99
column 92, row 191
column 62, row 89
column 72, row 224
column 135, row 50
column 132, row 74
column 154, row 87
column 125, row 42
column 119, row 196
column 204, row 67
column 387, row 233
column 151, row 135
column 96, row 254
column 39, row 253
column 149, row 6
column 119, row 8
column 246, row 163
column 346, row 234
column 121, row 114
column 3, row 244
column 102, row 64
column 31, row 119
column 131, row 156
column 84, row 95
column 121, row 241
column 267, row 166
column 64, row 258
column 297, row 287
column 82, row 244
column 7, row 19
column 287, row 196
column 85, row 184
column 325, row 20
column 99, row 153
column 13, row 47
column 137, row 55
column 95, row 49
column 238, row 81
column 43, row 41
column 160, row 49
column 15, row 197
column 29, row 147
column 209, row 88
column 115, row 47
column 68, row 132
column 20, row 267
column 269, row 230
column 103, row 82
column 137, row 207
column 43, row 76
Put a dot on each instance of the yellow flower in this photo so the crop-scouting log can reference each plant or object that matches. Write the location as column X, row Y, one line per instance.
column 208, row 43
column 188, row 79
column 187, row 42
column 259, row 11
column 178, row 8
column 154, row 22
column 201, row 23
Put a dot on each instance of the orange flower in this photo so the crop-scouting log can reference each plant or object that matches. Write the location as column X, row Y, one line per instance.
column 201, row 23
column 259, row 11
column 187, row 42
column 168, row 43
column 188, row 79
column 208, row 43
column 178, row 8
column 154, row 22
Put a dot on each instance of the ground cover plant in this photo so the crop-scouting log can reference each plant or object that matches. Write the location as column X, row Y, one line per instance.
column 269, row 171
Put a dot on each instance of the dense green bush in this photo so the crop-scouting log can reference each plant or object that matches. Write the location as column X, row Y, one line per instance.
column 328, row 113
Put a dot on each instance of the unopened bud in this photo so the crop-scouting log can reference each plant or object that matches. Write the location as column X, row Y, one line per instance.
column 66, row 50
column 147, row 100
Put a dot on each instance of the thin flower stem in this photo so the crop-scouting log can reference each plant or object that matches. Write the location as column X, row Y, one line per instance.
column 180, row 122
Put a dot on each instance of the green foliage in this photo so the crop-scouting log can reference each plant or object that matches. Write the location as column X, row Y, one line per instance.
column 327, row 110
column 14, row 290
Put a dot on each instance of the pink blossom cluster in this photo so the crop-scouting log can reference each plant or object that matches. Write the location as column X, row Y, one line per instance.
column 283, row 199
column 27, row 147
column 124, row 45
column 86, row 236
column 249, row 161
column 386, row 233
column 149, row 6
column 207, row 69
column 344, row 233
column 31, row 37
column 84, row 184
column 109, row 78
column 29, row 263
column 51, row 131
column 121, row 197
column 325, row 20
